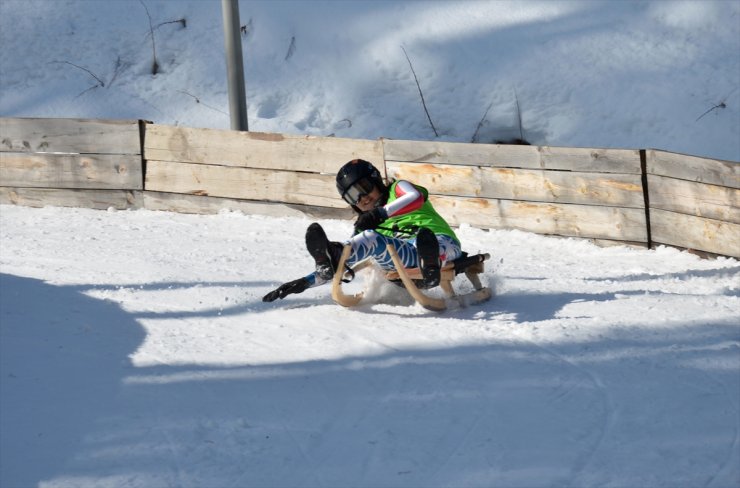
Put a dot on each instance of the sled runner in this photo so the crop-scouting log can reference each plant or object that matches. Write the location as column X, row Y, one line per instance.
column 472, row 266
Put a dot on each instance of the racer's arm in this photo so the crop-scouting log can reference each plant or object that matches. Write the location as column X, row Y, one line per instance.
column 408, row 199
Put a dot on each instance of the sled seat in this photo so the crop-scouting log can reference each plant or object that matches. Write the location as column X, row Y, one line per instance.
column 411, row 279
column 470, row 265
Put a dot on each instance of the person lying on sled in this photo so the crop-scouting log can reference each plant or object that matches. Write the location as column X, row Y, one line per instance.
column 399, row 214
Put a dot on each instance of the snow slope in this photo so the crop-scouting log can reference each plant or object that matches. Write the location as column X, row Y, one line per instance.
column 629, row 74
column 134, row 347
column 136, row 351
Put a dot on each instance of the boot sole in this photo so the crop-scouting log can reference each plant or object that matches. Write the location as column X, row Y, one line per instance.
column 427, row 247
column 317, row 245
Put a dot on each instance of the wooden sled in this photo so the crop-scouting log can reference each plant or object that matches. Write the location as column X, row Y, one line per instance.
column 472, row 266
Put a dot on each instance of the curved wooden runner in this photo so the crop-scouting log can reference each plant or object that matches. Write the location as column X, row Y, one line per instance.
column 430, row 303
column 336, row 285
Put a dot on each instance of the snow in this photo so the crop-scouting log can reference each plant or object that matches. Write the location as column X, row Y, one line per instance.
column 135, row 349
column 593, row 74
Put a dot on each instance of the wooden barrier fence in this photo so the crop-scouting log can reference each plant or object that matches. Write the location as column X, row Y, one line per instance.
column 71, row 162
column 610, row 196
column 265, row 173
column 694, row 202
column 589, row 193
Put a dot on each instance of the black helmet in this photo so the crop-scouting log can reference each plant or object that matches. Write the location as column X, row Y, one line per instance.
column 356, row 178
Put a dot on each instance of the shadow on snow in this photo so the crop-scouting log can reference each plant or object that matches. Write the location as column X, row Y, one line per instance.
column 653, row 409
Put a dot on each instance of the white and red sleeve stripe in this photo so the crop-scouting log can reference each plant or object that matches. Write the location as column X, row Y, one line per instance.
column 408, row 199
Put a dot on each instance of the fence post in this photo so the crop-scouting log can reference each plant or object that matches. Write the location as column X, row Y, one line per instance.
column 646, row 196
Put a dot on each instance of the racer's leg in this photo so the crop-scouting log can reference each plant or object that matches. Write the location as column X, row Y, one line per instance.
column 371, row 244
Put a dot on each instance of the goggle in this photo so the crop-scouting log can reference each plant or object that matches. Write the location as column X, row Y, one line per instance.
column 357, row 190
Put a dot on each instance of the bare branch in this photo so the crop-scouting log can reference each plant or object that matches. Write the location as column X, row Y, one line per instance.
column 116, row 70
column 480, row 124
column 182, row 21
column 291, row 48
column 420, row 93
column 155, row 65
column 100, row 82
column 721, row 104
column 85, row 91
column 197, row 100
column 519, row 117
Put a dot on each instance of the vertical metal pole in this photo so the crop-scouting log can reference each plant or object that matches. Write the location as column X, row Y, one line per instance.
column 234, row 65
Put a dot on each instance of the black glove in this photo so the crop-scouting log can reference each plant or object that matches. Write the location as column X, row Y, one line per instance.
column 370, row 220
column 296, row 286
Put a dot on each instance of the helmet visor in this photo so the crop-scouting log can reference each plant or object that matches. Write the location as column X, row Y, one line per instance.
column 357, row 190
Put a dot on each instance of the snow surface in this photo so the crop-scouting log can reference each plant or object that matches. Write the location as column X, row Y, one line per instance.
column 135, row 350
column 585, row 73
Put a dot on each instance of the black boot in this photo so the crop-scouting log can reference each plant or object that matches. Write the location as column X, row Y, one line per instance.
column 427, row 248
column 325, row 253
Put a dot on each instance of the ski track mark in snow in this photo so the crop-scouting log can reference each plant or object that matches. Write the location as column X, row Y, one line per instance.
column 458, row 445
column 174, row 455
column 607, row 418
column 734, row 446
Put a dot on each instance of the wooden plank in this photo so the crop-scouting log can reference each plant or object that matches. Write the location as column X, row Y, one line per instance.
column 688, row 197
column 95, row 199
column 76, row 136
column 598, row 160
column 438, row 152
column 607, row 189
column 101, row 171
column 512, row 156
column 612, row 223
column 196, row 204
column 691, row 232
column 257, row 149
column 692, row 168
column 440, row 179
column 243, row 183
column 603, row 189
